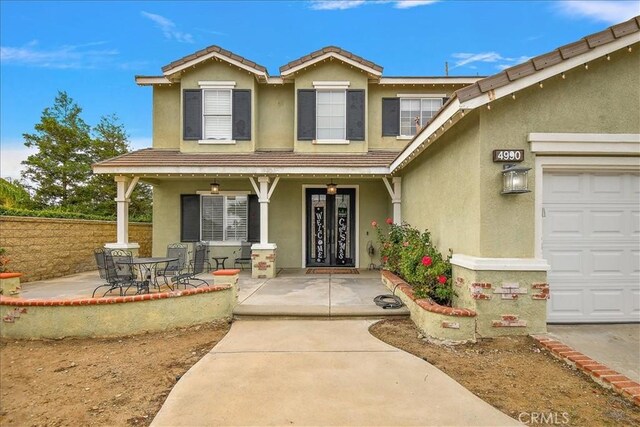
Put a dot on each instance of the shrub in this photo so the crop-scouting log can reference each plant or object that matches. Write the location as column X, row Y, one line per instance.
column 410, row 254
column 58, row 213
column 4, row 260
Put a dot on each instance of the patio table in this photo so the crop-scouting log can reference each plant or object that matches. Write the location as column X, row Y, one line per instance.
column 147, row 268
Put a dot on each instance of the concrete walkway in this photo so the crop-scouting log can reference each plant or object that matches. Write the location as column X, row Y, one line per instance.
column 318, row 372
column 614, row 345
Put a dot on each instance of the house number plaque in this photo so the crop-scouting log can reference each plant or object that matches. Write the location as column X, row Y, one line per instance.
column 508, row 155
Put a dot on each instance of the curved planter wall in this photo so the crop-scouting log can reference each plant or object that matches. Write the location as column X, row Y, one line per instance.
column 114, row 316
column 437, row 322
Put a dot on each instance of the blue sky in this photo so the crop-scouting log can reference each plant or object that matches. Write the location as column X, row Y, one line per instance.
column 93, row 49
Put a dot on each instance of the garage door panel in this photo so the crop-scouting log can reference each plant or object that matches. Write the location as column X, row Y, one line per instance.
column 591, row 239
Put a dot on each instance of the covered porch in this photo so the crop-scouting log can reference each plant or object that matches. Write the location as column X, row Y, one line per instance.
column 294, row 210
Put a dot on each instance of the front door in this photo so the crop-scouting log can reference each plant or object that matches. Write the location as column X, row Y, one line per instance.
column 331, row 224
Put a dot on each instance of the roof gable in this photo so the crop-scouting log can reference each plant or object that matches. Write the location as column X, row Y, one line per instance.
column 215, row 52
column 331, row 52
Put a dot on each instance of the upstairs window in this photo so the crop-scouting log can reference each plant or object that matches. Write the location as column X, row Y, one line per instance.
column 331, row 115
column 216, row 107
column 401, row 114
column 417, row 112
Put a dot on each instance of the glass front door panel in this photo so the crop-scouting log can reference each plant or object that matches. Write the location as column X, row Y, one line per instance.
column 330, row 228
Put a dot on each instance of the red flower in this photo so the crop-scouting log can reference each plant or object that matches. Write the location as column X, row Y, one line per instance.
column 385, row 259
column 374, row 224
column 389, row 221
column 426, row 261
column 442, row 280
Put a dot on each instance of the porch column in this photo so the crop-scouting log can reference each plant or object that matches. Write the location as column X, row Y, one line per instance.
column 125, row 186
column 396, row 197
column 263, row 255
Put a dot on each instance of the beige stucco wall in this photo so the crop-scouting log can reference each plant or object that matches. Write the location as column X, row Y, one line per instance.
column 330, row 71
column 285, row 215
column 603, row 99
column 276, row 117
column 166, row 117
column 219, row 71
column 441, row 190
column 43, row 248
column 374, row 118
column 454, row 188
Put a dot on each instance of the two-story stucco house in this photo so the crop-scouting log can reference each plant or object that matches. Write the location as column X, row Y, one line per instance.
column 300, row 164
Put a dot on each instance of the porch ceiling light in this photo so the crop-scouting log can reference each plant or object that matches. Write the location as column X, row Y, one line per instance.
column 215, row 188
column 332, row 188
column 514, row 179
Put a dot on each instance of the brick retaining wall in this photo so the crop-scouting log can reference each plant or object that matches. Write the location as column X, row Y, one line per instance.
column 43, row 248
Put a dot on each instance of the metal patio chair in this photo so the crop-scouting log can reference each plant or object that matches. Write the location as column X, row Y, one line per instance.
column 244, row 258
column 196, row 267
column 174, row 268
column 116, row 276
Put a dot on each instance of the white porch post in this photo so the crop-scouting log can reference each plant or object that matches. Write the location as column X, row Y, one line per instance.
column 125, row 186
column 396, row 197
column 263, row 255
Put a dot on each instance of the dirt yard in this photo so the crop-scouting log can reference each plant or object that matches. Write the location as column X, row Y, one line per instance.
column 519, row 378
column 89, row 382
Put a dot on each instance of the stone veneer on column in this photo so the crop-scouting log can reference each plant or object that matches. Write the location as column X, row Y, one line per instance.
column 263, row 261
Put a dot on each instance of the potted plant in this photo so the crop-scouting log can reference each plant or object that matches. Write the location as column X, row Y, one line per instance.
column 9, row 282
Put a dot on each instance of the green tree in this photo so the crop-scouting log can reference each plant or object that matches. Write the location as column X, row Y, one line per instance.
column 59, row 170
column 109, row 140
column 14, row 195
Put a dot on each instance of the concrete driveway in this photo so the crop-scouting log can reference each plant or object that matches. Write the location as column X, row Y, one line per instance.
column 318, row 372
column 614, row 345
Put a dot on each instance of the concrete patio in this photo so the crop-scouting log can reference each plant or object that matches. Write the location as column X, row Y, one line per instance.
column 292, row 293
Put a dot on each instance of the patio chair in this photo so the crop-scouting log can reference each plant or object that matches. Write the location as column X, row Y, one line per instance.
column 244, row 258
column 116, row 276
column 174, row 268
column 196, row 267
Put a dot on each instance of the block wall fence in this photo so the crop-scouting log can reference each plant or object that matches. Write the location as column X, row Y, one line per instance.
column 44, row 248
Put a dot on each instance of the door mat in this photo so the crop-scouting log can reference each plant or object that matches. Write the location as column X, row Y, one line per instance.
column 332, row 271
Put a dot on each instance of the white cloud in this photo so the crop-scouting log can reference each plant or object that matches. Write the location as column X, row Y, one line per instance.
column 610, row 12
column 11, row 157
column 406, row 4
column 501, row 62
column 351, row 4
column 168, row 28
column 63, row 57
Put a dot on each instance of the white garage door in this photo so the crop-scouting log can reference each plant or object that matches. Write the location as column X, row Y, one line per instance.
column 591, row 239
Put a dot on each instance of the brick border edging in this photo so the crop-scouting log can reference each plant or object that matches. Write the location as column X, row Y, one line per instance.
column 21, row 302
column 424, row 303
column 600, row 373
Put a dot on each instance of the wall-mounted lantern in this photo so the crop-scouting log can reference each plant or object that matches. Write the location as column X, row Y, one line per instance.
column 332, row 189
column 514, row 179
column 215, row 188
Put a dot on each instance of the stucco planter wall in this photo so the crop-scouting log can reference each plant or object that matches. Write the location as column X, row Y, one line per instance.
column 10, row 284
column 114, row 316
column 439, row 323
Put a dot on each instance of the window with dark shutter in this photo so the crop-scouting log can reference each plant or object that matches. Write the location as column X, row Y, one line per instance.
column 254, row 219
column 355, row 115
column 189, row 218
column 306, row 114
column 192, row 114
column 390, row 116
column 241, row 114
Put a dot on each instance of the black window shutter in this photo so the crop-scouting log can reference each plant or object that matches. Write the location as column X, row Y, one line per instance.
column 241, row 114
column 355, row 115
column 444, row 100
column 192, row 114
column 390, row 116
column 189, row 218
column 254, row 219
column 306, row 114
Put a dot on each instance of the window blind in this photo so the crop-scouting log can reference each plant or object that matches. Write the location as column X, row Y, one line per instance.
column 212, row 218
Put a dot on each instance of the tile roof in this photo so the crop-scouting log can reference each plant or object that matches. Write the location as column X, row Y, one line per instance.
column 330, row 49
column 158, row 157
column 214, row 49
column 549, row 59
